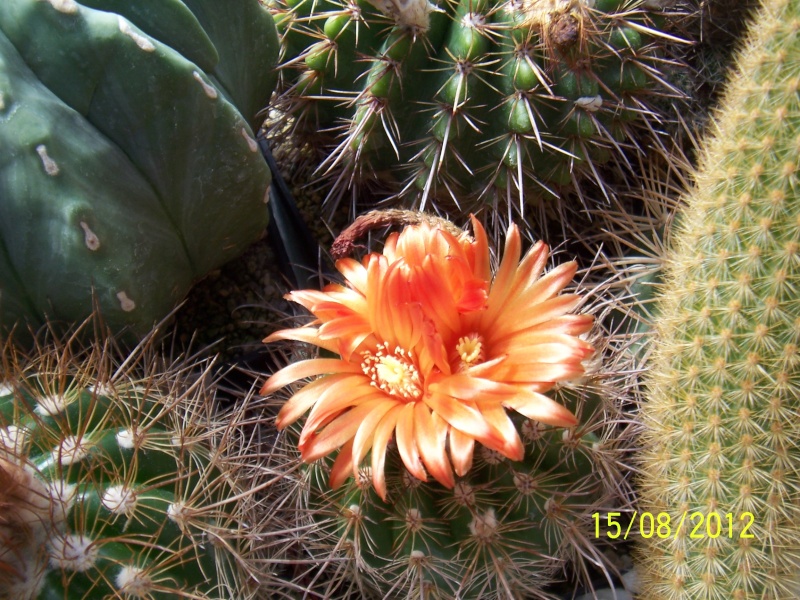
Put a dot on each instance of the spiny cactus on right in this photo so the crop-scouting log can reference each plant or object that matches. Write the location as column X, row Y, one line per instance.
column 470, row 102
column 722, row 434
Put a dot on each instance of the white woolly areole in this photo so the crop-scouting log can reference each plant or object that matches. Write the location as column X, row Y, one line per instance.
column 6, row 389
column 62, row 497
column 126, row 439
column 179, row 513
column 134, row 582
column 69, row 7
column 140, row 40
column 590, row 103
column 72, row 553
column 484, row 527
column 411, row 13
column 101, row 389
column 72, row 449
column 51, row 406
column 12, row 438
column 119, row 499
column 208, row 89
column 50, row 166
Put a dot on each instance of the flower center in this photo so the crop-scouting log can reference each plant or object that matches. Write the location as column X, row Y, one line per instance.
column 470, row 350
column 393, row 372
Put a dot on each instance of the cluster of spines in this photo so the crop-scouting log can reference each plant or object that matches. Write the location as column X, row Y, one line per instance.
column 722, row 431
column 489, row 99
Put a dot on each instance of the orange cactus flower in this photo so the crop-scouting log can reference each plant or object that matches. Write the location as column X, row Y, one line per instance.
column 433, row 351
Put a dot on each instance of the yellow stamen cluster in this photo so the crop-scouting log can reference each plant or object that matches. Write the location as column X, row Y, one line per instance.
column 394, row 372
column 470, row 350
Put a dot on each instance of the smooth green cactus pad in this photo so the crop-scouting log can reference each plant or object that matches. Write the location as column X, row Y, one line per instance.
column 128, row 164
column 118, row 479
column 722, row 439
column 469, row 101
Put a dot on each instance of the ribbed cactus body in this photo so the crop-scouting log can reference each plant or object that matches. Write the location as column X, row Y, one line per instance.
column 458, row 101
column 722, row 432
column 114, row 484
column 506, row 530
column 128, row 164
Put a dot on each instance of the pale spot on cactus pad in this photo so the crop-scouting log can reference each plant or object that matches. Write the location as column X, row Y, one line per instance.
column 251, row 143
column 50, row 166
column 125, row 302
column 69, row 7
column 141, row 41
column 89, row 237
column 208, row 89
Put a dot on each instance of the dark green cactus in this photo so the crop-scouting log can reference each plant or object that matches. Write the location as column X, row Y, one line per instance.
column 128, row 164
column 467, row 102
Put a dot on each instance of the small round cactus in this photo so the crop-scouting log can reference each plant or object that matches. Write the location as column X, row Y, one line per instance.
column 462, row 103
column 117, row 479
column 722, row 435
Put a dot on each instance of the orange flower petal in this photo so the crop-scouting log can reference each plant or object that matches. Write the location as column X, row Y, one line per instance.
column 431, row 433
column 462, row 448
column 354, row 272
column 383, row 433
column 510, row 444
column 341, row 469
column 541, row 408
column 307, row 368
column 407, row 444
column 312, row 393
column 309, row 335
column 459, row 415
column 461, row 387
column 336, row 401
column 482, row 268
column 503, row 280
column 362, row 441
column 337, row 432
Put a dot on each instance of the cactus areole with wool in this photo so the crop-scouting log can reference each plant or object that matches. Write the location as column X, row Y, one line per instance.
column 128, row 163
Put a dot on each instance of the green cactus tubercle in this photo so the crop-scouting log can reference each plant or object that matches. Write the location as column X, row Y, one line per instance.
column 128, row 164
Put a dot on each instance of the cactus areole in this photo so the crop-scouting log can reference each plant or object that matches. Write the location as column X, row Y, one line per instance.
column 128, row 164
